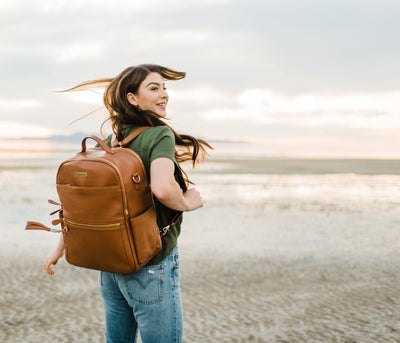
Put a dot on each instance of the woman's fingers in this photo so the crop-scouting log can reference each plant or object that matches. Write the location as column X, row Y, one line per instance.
column 47, row 266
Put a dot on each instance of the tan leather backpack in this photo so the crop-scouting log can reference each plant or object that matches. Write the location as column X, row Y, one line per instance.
column 107, row 214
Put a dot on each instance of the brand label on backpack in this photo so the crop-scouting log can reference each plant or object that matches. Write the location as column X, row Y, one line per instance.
column 81, row 174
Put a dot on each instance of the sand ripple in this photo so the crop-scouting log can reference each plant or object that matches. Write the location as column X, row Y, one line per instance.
column 283, row 300
column 242, row 299
column 39, row 308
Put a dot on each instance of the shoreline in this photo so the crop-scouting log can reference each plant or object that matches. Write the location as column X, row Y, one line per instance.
column 301, row 166
column 270, row 258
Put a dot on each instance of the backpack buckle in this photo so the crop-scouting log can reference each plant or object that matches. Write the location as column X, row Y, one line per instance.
column 164, row 230
column 57, row 230
column 136, row 178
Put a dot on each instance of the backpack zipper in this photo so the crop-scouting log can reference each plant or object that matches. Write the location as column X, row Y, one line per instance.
column 66, row 221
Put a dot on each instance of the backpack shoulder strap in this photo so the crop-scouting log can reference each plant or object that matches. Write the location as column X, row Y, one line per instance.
column 126, row 141
column 130, row 138
column 173, row 221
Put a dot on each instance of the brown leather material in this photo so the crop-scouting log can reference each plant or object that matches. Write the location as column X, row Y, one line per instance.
column 174, row 220
column 100, row 203
column 130, row 138
column 56, row 221
column 53, row 202
column 107, row 213
column 99, row 141
column 38, row 226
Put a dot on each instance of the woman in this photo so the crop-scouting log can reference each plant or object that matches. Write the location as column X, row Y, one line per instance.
column 148, row 301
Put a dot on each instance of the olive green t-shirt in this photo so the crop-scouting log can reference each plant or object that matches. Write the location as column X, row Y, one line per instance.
column 153, row 143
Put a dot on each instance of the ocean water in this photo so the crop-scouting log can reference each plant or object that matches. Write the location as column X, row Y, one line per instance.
column 323, row 204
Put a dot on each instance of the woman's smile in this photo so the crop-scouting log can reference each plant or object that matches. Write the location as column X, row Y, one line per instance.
column 151, row 95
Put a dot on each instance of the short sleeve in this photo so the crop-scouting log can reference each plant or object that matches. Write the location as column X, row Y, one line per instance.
column 164, row 145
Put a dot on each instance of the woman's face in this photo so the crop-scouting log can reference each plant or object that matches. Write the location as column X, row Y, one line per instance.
column 151, row 95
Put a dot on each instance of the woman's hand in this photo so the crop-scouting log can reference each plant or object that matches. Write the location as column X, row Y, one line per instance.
column 193, row 199
column 52, row 259
column 168, row 191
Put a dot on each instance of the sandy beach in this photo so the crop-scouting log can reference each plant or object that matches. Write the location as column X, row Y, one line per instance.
column 226, row 299
column 272, row 258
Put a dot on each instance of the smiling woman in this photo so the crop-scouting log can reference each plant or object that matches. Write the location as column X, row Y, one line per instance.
column 151, row 95
column 149, row 300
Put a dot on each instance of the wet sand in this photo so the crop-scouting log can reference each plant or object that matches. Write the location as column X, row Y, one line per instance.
column 276, row 295
column 268, row 259
column 300, row 166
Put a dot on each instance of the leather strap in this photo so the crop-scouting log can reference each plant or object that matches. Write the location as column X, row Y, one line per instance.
column 125, row 142
column 176, row 218
column 173, row 221
column 54, row 202
column 130, row 138
column 39, row 226
column 99, row 141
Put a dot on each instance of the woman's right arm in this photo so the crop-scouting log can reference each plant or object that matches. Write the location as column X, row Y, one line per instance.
column 53, row 257
column 167, row 190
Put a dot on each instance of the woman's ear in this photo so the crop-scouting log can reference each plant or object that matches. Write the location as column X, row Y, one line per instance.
column 132, row 99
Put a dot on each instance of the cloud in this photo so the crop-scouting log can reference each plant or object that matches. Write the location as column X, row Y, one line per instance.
column 255, row 68
column 18, row 104
column 78, row 51
column 362, row 110
column 94, row 97
column 10, row 129
column 184, row 37
column 199, row 95
column 65, row 6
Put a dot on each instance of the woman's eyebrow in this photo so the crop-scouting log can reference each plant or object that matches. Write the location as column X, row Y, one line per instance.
column 154, row 83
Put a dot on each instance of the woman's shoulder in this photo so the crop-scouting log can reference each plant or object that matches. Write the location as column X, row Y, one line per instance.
column 158, row 132
column 151, row 137
column 162, row 129
column 152, row 130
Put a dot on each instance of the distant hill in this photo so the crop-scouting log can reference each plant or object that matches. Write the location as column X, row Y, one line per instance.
column 72, row 138
column 75, row 137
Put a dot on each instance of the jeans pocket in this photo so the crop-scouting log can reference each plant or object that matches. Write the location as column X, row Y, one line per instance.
column 147, row 285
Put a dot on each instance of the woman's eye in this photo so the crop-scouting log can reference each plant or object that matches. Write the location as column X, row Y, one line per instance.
column 154, row 88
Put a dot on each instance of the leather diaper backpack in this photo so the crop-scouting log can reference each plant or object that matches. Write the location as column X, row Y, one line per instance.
column 106, row 214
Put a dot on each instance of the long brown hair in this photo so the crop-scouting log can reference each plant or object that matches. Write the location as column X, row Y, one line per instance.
column 188, row 148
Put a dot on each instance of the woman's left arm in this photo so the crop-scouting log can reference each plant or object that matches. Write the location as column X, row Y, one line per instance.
column 53, row 257
column 167, row 190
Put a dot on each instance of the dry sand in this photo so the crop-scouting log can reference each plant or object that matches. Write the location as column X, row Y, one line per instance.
column 227, row 298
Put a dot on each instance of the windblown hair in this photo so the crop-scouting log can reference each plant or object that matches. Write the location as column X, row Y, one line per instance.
column 122, row 112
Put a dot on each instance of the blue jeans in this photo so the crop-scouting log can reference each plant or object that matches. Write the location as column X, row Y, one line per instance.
column 148, row 301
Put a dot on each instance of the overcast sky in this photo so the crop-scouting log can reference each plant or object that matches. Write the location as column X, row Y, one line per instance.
column 298, row 76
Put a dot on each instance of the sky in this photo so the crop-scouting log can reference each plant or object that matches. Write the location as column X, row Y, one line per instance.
column 294, row 77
